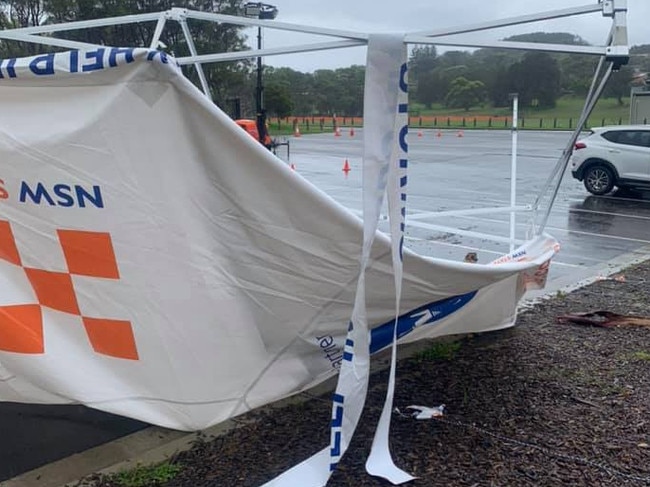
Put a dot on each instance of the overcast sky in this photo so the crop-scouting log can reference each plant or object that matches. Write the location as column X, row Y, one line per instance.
column 417, row 15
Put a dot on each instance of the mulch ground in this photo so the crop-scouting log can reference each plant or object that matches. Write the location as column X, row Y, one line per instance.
column 541, row 404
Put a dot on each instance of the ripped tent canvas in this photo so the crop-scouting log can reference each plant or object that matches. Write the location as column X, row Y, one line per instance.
column 158, row 263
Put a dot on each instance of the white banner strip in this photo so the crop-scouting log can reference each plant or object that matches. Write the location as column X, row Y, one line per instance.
column 385, row 58
column 380, row 462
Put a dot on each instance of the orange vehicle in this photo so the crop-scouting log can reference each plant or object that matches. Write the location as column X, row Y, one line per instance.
column 250, row 126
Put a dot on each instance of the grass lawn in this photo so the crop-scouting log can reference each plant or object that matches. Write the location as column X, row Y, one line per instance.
column 562, row 117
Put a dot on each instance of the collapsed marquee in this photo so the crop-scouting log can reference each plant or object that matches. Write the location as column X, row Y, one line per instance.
column 158, row 263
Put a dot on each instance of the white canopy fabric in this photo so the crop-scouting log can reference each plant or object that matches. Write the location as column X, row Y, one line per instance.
column 158, row 263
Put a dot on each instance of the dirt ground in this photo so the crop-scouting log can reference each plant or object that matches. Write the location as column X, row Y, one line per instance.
column 541, row 404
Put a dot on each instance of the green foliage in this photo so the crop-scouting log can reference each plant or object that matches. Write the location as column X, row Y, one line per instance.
column 645, row 356
column 443, row 350
column 536, row 78
column 549, row 38
column 277, row 100
column 226, row 80
column 147, row 476
column 541, row 78
column 324, row 92
column 436, row 83
column 298, row 86
column 422, row 62
column 464, row 93
column 618, row 85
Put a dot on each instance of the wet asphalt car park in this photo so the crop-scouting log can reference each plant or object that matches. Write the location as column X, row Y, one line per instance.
column 446, row 172
column 450, row 172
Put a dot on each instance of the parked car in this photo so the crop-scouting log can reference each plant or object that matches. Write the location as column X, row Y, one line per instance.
column 614, row 156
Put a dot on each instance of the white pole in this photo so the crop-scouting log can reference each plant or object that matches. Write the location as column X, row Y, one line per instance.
column 199, row 68
column 160, row 25
column 513, row 169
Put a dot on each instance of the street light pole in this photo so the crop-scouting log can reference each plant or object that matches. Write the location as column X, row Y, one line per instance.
column 259, row 102
column 262, row 11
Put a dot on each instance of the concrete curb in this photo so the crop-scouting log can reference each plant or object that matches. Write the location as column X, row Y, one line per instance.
column 74, row 467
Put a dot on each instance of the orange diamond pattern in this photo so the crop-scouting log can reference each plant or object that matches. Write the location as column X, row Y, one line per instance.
column 8, row 249
column 54, row 290
column 111, row 337
column 87, row 254
column 21, row 329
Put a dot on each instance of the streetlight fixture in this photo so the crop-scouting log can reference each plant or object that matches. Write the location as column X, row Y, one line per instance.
column 262, row 11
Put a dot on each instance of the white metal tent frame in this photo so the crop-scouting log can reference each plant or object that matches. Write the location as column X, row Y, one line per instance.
column 613, row 53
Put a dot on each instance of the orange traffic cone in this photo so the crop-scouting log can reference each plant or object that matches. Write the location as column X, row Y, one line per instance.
column 296, row 133
column 351, row 131
column 420, row 133
column 337, row 132
column 346, row 167
column 439, row 134
column 460, row 133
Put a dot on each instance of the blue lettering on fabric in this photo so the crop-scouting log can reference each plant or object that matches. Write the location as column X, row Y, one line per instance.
column 331, row 350
column 382, row 336
column 78, row 61
column 74, row 61
column 337, row 425
column 152, row 55
column 42, row 65
column 62, row 195
column 126, row 53
column 11, row 70
column 98, row 56
column 403, row 161
column 36, row 195
column 402, row 138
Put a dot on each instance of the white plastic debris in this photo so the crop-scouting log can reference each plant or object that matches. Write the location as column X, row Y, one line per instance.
column 425, row 412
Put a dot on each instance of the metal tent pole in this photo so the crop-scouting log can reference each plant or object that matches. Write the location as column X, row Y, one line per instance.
column 190, row 44
column 513, row 170
column 566, row 155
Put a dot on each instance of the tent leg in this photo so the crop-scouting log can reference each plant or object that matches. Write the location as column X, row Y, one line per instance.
column 560, row 168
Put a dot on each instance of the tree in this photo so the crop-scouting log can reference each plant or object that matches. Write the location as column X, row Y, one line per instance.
column 435, row 75
column 549, row 38
column 640, row 58
column 340, row 91
column 351, row 83
column 326, row 91
column 423, row 59
column 277, row 101
column 536, row 78
column 499, row 87
column 577, row 73
column 491, row 67
column 619, row 84
column 464, row 93
column 422, row 62
column 226, row 80
column 299, row 87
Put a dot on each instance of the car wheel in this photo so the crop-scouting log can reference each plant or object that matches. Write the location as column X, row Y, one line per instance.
column 599, row 180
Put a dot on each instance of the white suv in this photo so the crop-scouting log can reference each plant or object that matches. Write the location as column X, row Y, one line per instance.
column 613, row 156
